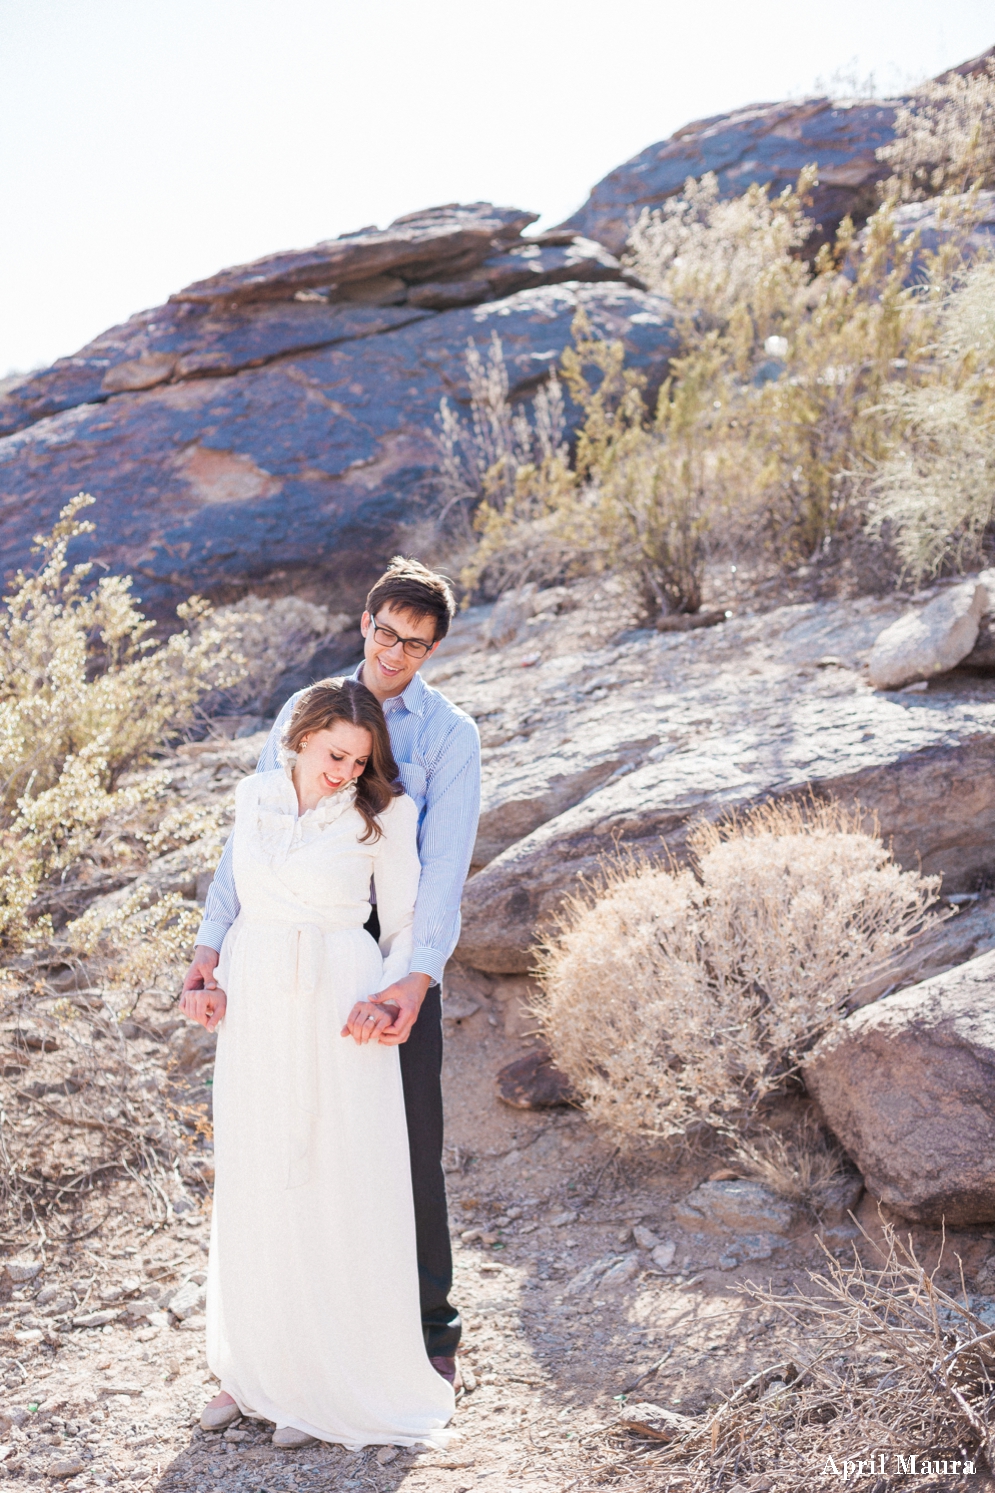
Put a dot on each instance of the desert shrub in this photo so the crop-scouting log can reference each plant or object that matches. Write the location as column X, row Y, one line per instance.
column 678, row 998
column 884, row 1358
column 806, row 400
column 85, row 694
column 934, row 489
column 727, row 266
column 636, row 500
column 272, row 633
column 801, row 1163
column 483, row 455
column 944, row 137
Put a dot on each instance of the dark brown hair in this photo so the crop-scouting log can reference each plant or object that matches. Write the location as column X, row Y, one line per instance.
column 411, row 587
column 332, row 700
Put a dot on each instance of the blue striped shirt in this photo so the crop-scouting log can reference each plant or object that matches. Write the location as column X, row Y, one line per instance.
column 437, row 750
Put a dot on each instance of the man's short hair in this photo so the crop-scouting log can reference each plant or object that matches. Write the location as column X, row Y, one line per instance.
column 409, row 586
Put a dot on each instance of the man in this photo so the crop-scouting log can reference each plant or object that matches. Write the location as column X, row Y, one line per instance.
column 437, row 750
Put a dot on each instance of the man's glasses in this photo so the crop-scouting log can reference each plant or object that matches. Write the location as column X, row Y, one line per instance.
column 413, row 647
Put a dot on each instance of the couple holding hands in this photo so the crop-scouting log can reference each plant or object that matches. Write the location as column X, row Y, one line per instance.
column 327, row 927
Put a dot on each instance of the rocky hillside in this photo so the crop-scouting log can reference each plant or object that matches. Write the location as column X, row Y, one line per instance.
column 270, row 428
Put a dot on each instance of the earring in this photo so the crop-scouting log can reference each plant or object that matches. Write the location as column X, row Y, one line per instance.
column 303, row 744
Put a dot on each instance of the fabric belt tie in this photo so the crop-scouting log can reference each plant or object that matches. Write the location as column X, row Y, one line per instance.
column 304, row 1045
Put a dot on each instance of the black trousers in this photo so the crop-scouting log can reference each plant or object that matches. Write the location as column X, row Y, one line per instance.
column 421, row 1077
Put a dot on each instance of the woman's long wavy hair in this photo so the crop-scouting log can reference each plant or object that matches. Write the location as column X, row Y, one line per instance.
column 332, row 700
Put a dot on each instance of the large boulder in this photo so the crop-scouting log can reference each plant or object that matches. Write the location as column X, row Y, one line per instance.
column 932, row 641
column 271, row 427
column 765, row 143
column 908, row 1086
column 604, row 737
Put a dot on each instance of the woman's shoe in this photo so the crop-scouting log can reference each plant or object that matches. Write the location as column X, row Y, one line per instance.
column 219, row 1413
column 289, row 1437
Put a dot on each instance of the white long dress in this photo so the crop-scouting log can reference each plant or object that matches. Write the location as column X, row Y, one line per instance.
column 313, row 1318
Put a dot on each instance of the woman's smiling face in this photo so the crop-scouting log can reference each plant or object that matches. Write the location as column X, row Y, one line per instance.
column 329, row 759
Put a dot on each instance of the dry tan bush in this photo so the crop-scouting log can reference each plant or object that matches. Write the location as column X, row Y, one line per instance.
column 725, row 265
column 675, row 999
column 934, row 491
column 887, row 1363
column 85, row 693
column 482, row 456
column 271, row 634
column 945, row 138
column 98, row 1108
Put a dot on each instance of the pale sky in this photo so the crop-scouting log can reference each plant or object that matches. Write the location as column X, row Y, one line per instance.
column 148, row 143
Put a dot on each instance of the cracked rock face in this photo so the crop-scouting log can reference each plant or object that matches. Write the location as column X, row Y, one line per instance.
column 908, row 1086
column 271, row 427
column 591, row 736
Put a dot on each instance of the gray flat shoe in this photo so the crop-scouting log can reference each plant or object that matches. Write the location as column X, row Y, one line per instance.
column 289, row 1437
column 219, row 1417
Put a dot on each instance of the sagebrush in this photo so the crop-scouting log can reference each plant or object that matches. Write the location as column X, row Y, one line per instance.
column 677, row 999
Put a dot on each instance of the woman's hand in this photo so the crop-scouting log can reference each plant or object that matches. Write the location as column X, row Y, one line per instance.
column 367, row 1020
column 206, row 1006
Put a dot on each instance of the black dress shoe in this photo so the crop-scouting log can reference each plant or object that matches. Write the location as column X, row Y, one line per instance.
column 449, row 1369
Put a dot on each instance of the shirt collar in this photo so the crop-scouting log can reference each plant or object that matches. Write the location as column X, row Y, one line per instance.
column 413, row 698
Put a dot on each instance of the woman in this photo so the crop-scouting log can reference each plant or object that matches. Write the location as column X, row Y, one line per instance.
column 313, row 1319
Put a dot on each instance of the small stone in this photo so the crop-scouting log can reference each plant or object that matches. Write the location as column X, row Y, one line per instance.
column 741, row 1207
column 189, row 1299
column 534, row 1082
column 728, row 1262
column 502, row 1222
column 663, row 1254
column 70, row 1467
column 193, row 1324
column 458, row 1008
column 562, row 1219
column 33, row 1335
column 929, row 642
column 645, row 1238
column 622, row 1272
column 386, row 1455
column 623, row 1236
column 96, row 1319
column 23, row 1270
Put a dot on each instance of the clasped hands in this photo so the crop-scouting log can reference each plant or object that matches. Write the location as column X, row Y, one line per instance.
column 387, row 1018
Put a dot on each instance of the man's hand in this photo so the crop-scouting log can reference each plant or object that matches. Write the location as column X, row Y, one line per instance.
column 201, row 971
column 202, row 999
column 407, row 995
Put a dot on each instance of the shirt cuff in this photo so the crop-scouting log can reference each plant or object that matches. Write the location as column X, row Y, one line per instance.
column 212, row 934
column 426, row 961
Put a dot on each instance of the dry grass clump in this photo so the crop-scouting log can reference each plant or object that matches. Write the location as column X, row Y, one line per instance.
column 945, row 137
column 675, row 998
column 887, row 1363
column 803, row 1165
column 935, row 489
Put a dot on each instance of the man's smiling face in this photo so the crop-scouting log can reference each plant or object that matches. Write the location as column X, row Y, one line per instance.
column 387, row 668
